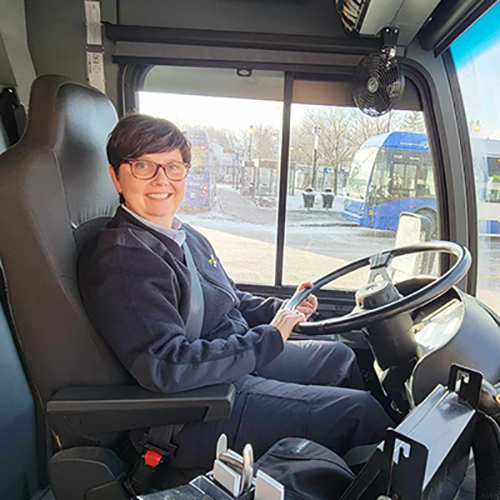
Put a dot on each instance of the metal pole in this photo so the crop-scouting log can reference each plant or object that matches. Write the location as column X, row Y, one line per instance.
column 285, row 155
column 314, row 174
column 316, row 131
column 251, row 132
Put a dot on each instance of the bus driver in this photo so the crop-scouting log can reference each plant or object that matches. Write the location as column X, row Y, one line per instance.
column 136, row 287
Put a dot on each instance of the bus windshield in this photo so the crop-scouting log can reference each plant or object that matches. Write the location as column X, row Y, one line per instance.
column 362, row 165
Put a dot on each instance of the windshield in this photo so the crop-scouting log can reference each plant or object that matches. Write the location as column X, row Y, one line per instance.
column 362, row 165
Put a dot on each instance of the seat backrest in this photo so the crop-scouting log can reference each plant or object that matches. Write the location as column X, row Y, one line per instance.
column 55, row 193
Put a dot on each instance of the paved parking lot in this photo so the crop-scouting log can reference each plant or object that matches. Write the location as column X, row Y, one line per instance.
column 317, row 242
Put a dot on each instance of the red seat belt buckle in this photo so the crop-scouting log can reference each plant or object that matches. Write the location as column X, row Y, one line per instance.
column 152, row 458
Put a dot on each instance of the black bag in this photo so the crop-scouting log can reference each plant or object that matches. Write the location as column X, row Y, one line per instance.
column 307, row 470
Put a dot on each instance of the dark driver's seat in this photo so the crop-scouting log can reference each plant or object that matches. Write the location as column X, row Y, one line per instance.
column 55, row 195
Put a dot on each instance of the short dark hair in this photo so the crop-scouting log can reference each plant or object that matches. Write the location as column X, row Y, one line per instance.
column 136, row 135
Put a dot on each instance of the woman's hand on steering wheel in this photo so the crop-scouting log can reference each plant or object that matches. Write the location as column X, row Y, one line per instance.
column 309, row 305
column 285, row 321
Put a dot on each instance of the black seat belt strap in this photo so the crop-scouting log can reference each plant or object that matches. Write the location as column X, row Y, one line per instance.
column 194, row 321
column 156, row 445
column 12, row 115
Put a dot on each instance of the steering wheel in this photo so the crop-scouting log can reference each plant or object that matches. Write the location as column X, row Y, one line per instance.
column 378, row 267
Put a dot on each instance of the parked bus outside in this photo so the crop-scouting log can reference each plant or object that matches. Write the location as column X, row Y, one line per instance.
column 486, row 157
column 391, row 173
column 200, row 183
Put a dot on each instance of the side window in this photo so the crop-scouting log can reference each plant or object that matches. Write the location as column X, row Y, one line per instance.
column 476, row 54
column 380, row 181
column 493, row 183
column 398, row 186
column 425, row 187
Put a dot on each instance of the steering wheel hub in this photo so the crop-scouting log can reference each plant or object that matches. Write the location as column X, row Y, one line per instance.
column 376, row 294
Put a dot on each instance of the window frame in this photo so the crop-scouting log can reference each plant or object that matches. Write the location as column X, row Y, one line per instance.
column 133, row 75
column 468, row 170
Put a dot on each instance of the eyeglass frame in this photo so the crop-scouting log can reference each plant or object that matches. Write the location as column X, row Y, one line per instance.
column 129, row 162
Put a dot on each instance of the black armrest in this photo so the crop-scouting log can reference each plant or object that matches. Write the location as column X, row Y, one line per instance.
column 80, row 411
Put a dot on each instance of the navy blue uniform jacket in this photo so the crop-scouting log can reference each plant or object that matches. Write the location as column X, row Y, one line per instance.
column 136, row 290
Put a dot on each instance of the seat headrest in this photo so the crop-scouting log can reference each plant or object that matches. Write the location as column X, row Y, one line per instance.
column 75, row 122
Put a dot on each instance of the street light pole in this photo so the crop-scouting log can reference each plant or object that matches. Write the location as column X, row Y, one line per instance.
column 249, row 155
column 251, row 132
column 293, row 163
column 316, row 130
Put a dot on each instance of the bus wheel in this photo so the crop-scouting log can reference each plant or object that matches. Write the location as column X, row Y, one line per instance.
column 432, row 216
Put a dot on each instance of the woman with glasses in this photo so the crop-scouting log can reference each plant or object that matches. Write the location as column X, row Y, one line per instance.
column 138, row 281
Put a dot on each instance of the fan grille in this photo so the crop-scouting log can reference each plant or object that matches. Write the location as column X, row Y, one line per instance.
column 378, row 84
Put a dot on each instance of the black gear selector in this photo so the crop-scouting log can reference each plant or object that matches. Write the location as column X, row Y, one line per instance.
column 392, row 340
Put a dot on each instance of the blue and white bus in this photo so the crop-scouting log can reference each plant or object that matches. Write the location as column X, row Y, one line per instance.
column 200, row 183
column 390, row 174
column 486, row 157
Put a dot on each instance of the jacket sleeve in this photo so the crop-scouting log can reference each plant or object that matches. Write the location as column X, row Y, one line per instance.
column 133, row 298
column 257, row 310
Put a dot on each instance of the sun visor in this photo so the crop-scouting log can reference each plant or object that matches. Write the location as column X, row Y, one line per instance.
column 216, row 82
column 262, row 85
column 340, row 94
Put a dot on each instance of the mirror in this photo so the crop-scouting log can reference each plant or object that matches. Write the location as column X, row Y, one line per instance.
column 413, row 228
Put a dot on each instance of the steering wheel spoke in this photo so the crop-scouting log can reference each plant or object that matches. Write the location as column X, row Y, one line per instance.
column 378, row 267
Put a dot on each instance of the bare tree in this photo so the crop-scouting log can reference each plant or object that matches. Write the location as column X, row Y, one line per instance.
column 363, row 126
column 413, row 121
column 265, row 140
column 334, row 148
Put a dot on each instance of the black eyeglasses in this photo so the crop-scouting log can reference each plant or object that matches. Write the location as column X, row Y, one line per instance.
column 147, row 169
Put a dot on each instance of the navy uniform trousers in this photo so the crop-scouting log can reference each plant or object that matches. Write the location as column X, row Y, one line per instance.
column 311, row 390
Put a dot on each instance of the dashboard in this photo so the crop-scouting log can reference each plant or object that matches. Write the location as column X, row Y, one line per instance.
column 437, row 323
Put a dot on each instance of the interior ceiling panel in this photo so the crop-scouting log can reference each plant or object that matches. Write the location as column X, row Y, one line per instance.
column 291, row 17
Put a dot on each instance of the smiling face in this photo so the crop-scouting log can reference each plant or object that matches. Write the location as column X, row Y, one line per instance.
column 156, row 199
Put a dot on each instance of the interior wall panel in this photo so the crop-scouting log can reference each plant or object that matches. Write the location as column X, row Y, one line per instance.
column 16, row 67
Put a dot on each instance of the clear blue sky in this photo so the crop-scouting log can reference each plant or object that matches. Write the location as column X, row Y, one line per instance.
column 477, row 59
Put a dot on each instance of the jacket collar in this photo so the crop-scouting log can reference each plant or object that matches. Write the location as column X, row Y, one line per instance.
column 124, row 219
